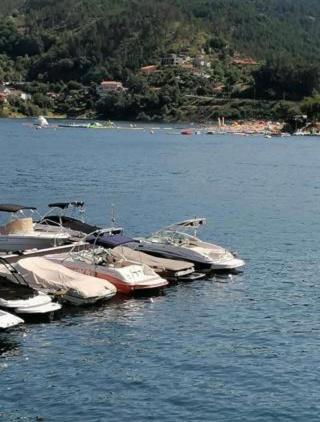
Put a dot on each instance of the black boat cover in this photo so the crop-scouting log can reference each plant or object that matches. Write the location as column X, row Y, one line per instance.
column 108, row 240
column 64, row 205
column 14, row 207
column 70, row 223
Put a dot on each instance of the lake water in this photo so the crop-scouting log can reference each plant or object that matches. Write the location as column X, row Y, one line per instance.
column 240, row 349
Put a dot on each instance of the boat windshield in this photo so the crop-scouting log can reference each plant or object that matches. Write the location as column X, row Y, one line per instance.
column 171, row 237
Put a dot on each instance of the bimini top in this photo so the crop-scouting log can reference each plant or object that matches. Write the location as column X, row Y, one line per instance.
column 14, row 207
column 64, row 205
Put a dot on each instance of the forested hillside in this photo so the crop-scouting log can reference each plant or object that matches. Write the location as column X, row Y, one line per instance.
column 251, row 49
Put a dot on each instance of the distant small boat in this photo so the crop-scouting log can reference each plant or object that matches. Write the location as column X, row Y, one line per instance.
column 42, row 121
column 74, row 125
column 186, row 132
column 98, row 125
column 173, row 243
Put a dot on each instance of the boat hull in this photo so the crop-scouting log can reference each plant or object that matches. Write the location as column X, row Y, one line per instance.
column 8, row 320
column 121, row 285
column 45, row 276
column 21, row 243
column 235, row 264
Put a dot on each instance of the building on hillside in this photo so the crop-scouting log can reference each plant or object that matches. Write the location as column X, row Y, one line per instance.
column 6, row 92
column 147, row 70
column 107, row 87
column 174, row 60
column 200, row 62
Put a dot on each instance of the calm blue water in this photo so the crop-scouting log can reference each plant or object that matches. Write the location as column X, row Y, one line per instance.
column 243, row 349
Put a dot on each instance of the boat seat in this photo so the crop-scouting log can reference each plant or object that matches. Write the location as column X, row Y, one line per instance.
column 22, row 225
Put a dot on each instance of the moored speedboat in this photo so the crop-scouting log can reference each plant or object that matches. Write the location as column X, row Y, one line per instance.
column 171, row 243
column 31, row 303
column 128, row 277
column 8, row 320
column 21, row 298
column 216, row 257
column 49, row 277
column 114, row 237
column 19, row 233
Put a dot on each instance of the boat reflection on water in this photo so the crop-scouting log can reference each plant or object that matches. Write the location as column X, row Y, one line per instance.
column 9, row 344
column 122, row 309
column 128, row 311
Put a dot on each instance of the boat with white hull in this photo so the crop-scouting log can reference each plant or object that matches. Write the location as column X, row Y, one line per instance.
column 21, row 298
column 36, row 240
column 51, row 278
column 38, row 305
column 173, row 243
column 19, row 233
column 128, row 277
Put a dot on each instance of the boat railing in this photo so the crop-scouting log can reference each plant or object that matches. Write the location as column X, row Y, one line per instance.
column 13, row 271
column 97, row 234
column 74, row 206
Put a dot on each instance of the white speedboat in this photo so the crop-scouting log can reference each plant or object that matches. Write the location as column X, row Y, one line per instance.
column 19, row 233
column 38, row 305
column 49, row 277
column 172, row 242
column 22, row 299
column 8, row 320
column 128, row 277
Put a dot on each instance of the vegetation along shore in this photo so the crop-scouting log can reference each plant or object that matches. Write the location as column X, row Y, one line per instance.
column 170, row 60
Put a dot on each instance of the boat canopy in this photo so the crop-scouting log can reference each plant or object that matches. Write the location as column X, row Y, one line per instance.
column 14, row 207
column 64, row 205
column 109, row 240
column 69, row 223
column 152, row 261
column 45, row 275
column 170, row 252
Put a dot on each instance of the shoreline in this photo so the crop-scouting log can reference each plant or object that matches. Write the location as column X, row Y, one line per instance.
column 236, row 127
